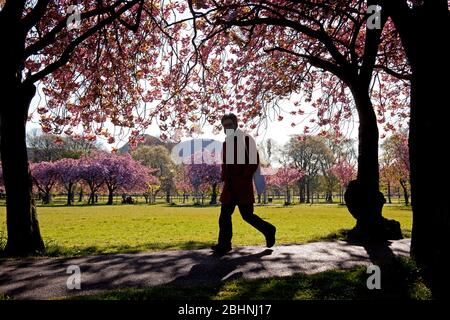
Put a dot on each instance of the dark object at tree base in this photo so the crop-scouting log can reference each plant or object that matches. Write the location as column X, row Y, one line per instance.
column 385, row 229
column 366, row 205
column 220, row 250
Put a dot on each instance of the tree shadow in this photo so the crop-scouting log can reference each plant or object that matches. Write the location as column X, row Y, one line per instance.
column 219, row 268
column 31, row 278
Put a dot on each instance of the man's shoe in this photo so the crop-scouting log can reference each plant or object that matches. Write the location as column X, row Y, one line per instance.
column 220, row 249
column 270, row 238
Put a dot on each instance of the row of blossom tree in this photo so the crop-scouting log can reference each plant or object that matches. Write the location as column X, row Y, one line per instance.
column 100, row 171
column 112, row 173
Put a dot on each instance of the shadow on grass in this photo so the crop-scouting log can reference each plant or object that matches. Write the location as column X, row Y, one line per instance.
column 400, row 280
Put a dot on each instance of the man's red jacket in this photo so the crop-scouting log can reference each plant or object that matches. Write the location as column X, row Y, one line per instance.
column 238, row 178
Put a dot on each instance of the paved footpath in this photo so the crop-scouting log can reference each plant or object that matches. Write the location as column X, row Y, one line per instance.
column 47, row 278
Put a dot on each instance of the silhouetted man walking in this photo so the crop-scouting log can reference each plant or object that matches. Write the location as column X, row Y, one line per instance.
column 240, row 160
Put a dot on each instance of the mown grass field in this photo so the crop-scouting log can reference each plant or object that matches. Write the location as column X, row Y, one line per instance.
column 82, row 230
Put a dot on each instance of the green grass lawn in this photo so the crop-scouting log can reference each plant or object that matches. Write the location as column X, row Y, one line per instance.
column 81, row 230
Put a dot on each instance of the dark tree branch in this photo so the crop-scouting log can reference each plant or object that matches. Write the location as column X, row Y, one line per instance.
column 398, row 75
column 65, row 56
column 51, row 36
column 135, row 26
column 317, row 62
column 315, row 34
column 35, row 15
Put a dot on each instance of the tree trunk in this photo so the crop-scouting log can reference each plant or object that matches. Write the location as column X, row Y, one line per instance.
column 24, row 235
column 363, row 197
column 329, row 195
column 288, row 196
column 308, row 191
column 431, row 223
column 80, row 198
column 214, row 194
column 91, row 198
column 301, row 188
column 110, row 196
column 389, row 192
column 69, row 194
column 47, row 198
column 428, row 53
column 405, row 191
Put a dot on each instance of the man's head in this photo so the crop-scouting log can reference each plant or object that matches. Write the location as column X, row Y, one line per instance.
column 229, row 121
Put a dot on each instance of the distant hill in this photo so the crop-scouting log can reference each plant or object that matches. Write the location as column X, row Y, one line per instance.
column 149, row 141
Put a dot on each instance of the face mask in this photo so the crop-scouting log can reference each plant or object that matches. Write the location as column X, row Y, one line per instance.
column 229, row 132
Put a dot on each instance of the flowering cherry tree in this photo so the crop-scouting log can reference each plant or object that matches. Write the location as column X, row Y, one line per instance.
column 68, row 174
column 396, row 167
column 93, row 174
column 344, row 171
column 91, row 71
column 284, row 178
column 122, row 173
column 204, row 174
column 182, row 182
column 45, row 177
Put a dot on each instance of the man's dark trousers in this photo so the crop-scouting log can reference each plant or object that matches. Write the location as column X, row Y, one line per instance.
column 246, row 210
